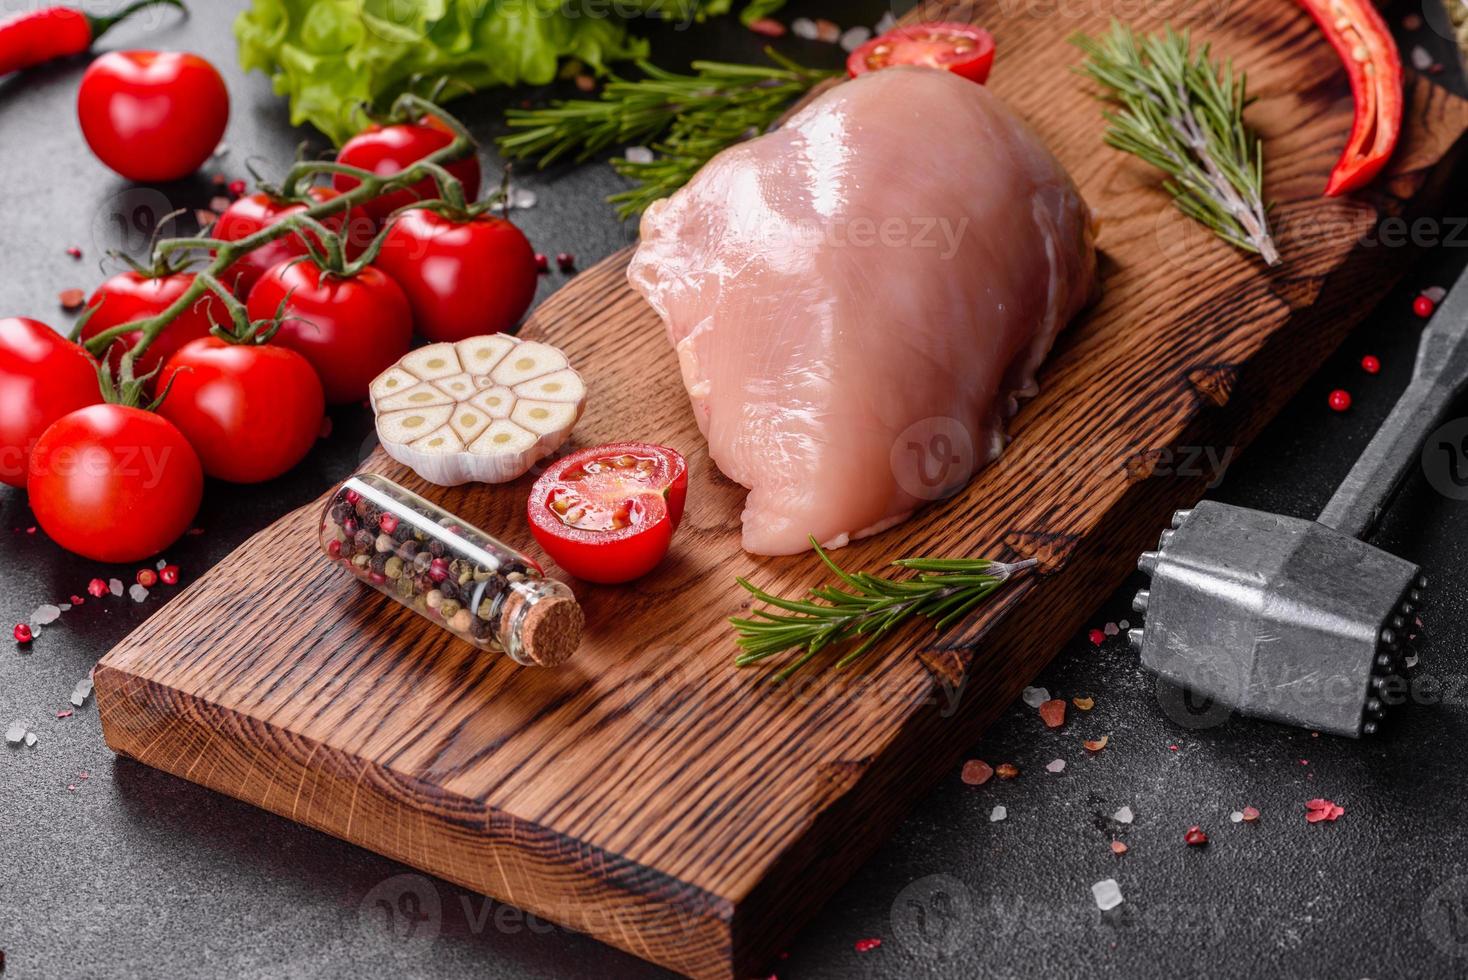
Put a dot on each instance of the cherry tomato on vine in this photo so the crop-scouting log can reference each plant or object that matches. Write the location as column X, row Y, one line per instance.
column 114, row 484
column 607, row 514
column 132, row 295
column 43, row 376
column 251, row 411
column 963, row 49
column 351, row 328
column 463, row 278
column 386, row 150
column 152, row 115
column 255, row 212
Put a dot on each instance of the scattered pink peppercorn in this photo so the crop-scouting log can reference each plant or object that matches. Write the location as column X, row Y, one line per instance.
column 353, row 497
column 542, row 264
column 1340, row 400
column 867, row 945
column 1371, row 364
column 334, row 549
column 77, row 600
column 237, row 187
column 767, row 27
column 97, row 588
column 565, row 261
column 1097, row 637
column 147, row 578
column 23, row 633
column 1195, row 837
column 388, row 523
column 168, row 574
column 74, row 252
column 438, row 569
column 1423, row 306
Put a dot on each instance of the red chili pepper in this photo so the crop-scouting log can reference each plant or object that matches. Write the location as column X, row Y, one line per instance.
column 36, row 36
column 1369, row 53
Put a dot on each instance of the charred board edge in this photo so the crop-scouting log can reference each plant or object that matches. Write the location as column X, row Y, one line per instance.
column 649, row 914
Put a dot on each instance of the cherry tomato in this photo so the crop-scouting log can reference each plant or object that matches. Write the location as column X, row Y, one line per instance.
column 251, row 411
column 386, row 150
column 131, row 295
column 463, row 278
column 260, row 210
column 152, row 115
column 114, row 484
column 607, row 514
column 963, row 49
column 350, row 329
column 43, row 376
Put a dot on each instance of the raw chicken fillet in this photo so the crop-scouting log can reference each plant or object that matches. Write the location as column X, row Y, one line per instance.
column 859, row 298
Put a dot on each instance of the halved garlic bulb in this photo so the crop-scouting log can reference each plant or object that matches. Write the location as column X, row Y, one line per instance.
column 483, row 410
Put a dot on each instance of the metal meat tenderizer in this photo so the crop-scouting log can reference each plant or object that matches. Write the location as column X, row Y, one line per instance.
column 1298, row 621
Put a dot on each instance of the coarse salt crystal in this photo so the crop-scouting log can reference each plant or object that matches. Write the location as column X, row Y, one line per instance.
column 1035, row 696
column 30, row 739
column 1411, row 660
column 1436, row 293
column 162, row 564
column 1057, row 766
column 1111, row 629
column 1421, row 60
column 114, row 586
column 997, row 814
column 46, row 615
column 65, row 607
column 1237, row 816
column 1107, row 894
column 804, row 27
column 15, row 732
column 637, row 154
column 1124, row 815
column 1123, row 625
column 855, row 37
column 888, row 21
column 523, row 198
column 138, row 592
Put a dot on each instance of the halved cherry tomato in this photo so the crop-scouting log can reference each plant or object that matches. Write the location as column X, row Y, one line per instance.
column 963, row 49
column 114, row 484
column 607, row 514
column 260, row 210
column 351, row 328
column 251, row 411
column 131, row 295
column 386, row 150
column 43, row 376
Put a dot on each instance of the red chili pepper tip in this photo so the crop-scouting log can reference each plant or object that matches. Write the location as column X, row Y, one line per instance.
column 1195, row 837
column 147, row 578
column 1423, row 306
column 168, row 574
column 1371, row 364
column 97, row 588
column 1097, row 637
column 1340, row 400
column 23, row 633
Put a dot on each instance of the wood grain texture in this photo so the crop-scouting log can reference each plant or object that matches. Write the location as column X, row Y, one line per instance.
column 650, row 794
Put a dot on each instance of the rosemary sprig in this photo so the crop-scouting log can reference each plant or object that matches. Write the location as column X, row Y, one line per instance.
column 945, row 590
column 686, row 118
column 1184, row 114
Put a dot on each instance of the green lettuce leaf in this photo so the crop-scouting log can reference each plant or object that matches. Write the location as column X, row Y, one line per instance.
column 331, row 58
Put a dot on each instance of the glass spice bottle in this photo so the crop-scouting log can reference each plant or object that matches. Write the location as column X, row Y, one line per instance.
column 450, row 572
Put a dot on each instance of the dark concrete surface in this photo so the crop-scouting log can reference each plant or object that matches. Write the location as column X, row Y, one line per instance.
column 128, row 872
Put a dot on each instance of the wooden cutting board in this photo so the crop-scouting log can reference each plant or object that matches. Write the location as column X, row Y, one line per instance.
column 651, row 794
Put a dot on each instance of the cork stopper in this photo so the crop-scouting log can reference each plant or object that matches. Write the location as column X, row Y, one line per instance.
column 549, row 628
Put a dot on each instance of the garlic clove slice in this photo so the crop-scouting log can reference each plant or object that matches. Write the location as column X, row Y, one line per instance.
column 544, row 418
column 561, row 386
column 432, row 362
column 410, row 424
column 529, row 360
column 480, row 355
column 421, row 395
column 440, row 442
column 457, row 386
column 390, row 382
column 503, row 437
column 494, row 402
column 468, row 422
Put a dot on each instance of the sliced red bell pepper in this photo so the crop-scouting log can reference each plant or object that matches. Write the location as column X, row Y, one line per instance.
column 1366, row 48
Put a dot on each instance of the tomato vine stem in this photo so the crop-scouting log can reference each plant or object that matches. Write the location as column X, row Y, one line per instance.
column 307, row 223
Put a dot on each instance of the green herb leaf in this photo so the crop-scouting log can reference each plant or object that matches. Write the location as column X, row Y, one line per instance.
column 1183, row 113
column 945, row 590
